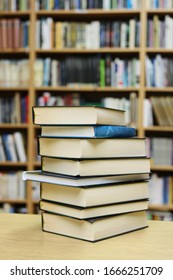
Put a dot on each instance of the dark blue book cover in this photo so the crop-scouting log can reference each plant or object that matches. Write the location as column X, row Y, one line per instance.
column 114, row 131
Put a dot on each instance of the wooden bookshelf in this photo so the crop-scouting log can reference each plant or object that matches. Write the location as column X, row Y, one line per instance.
column 32, row 53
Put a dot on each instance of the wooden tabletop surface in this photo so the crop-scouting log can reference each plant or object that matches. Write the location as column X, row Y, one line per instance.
column 21, row 238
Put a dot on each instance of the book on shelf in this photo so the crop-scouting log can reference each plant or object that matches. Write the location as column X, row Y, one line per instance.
column 96, row 167
column 92, row 212
column 94, row 229
column 77, row 148
column 92, row 196
column 20, row 147
column 9, row 147
column 12, row 185
column 40, row 176
column 2, row 150
column 77, row 115
column 94, row 131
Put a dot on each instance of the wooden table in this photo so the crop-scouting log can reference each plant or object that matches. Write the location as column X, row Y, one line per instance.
column 21, row 238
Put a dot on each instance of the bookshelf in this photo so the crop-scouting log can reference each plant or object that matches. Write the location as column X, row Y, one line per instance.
column 92, row 93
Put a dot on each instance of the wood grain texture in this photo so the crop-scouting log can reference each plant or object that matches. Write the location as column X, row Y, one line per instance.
column 21, row 238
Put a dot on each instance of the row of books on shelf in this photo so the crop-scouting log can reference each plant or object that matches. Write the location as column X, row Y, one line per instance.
column 75, row 169
column 14, row 5
column 87, row 35
column 163, row 109
column 14, row 33
column 159, row 71
column 90, row 70
column 154, row 4
column 160, row 149
column 9, row 208
column 160, row 215
column 14, row 109
column 12, row 147
column 12, row 186
column 159, row 32
column 160, row 190
column 14, row 73
column 86, row 4
column 101, row 71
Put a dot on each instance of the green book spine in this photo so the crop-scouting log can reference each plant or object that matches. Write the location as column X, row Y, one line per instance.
column 102, row 72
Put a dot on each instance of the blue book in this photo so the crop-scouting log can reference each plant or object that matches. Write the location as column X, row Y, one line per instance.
column 114, row 131
column 103, row 131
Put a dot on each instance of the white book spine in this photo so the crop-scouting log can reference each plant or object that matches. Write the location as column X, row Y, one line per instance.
column 20, row 146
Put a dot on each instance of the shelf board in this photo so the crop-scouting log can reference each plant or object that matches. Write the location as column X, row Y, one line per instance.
column 83, row 51
column 15, row 13
column 13, row 164
column 86, row 89
column 13, row 201
column 35, row 202
column 159, row 11
column 159, row 128
column 162, row 90
column 14, row 88
column 88, row 12
column 15, row 51
column 37, row 164
column 162, row 168
column 13, row 126
column 156, row 207
column 158, row 50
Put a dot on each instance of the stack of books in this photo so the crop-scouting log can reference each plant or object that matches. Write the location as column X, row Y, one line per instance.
column 94, row 175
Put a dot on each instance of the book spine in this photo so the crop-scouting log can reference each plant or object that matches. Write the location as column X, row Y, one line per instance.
column 114, row 131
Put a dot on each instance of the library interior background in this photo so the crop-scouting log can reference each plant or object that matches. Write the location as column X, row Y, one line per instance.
column 109, row 53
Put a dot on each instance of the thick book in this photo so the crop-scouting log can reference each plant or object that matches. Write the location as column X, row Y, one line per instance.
column 93, row 196
column 39, row 176
column 91, row 148
column 77, row 115
column 93, row 212
column 95, row 167
column 95, row 131
column 94, row 229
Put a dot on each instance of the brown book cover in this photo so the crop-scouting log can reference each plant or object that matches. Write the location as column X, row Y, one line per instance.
column 9, row 33
column 4, row 33
column 16, row 32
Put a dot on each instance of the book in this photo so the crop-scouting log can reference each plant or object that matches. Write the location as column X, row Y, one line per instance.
column 94, row 131
column 9, row 147
column 90, row 196
column 92, row 212
column 96, row 167
column 61, row 115
column 93, row 229
column 91, row 148
column 20, row 147
column 40, row 176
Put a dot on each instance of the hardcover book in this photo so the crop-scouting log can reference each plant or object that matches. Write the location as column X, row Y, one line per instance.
column 92, row 196
column 85, row 115
column 95, row 131
column 94, row 229
column 96, row 167
column 93, row 212
column 91, row 148
column 40, row 176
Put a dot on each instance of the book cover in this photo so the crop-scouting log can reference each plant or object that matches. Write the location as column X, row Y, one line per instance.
column 107, row 131
column 92, row 212
column 95, row 167
column 62, row 115
column 92, row 229
column 78, row 148
column 48, row 177
column 92, row 196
